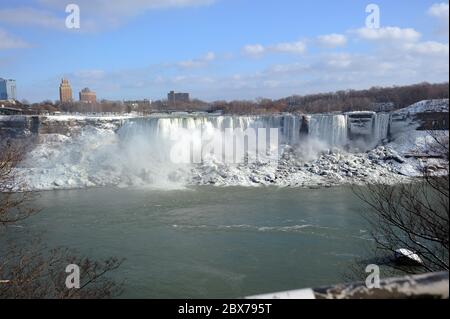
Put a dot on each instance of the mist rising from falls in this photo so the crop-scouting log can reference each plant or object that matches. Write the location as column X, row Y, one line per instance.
column 330, row 129
column 141, row 151
column 311, row 133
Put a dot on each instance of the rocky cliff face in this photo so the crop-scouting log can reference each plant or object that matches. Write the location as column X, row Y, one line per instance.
column 431, row 114
column 19, row 126
column 313, row 150
column 73, row 126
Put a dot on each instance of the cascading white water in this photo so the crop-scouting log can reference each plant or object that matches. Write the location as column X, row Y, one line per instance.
column 331, row 129
column 140, row 152
column 291, row 129
column 289, row 125
column 381, row 126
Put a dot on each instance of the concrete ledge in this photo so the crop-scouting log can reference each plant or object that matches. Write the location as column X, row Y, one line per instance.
column 432, row 285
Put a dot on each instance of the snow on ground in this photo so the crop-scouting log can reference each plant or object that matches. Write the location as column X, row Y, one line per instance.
column 426, row 106
column 103, row 117
column 413, row 141
column 417, row 142
column 98, row 157
column 12, row 118
column 94, row 154
column 94, row 158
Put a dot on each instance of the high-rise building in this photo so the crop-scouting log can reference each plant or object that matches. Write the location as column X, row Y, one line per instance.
column 65, row 92
column 88, row 96
column 8, row 89
column 174, row 98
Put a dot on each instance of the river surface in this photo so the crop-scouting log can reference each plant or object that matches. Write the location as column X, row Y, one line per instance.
column 209, row 242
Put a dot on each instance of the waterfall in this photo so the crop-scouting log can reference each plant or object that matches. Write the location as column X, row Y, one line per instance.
column 289, row 125
column 331, row 129
column 381, row 126
column 172, row 150
column 291, row 129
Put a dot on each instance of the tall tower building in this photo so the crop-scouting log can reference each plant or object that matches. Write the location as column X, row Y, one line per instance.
column 65, row 92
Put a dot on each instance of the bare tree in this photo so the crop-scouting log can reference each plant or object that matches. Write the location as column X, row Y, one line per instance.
column 36, row 272
column 13, row 206
column 29, row 269
column 414, row 216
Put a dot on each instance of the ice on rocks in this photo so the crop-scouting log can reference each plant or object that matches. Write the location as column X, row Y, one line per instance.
column 98, row 154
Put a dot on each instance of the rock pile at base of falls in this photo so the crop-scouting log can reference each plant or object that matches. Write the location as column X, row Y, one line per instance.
column 333, row 167
column 97, row 156
column 382, row 153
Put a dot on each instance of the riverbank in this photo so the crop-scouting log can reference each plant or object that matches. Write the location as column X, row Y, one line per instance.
column 310, row 151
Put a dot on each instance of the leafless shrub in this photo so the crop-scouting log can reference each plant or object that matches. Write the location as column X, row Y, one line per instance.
column 14, row 207
column 414, row 216
column 29, row 269
column 40, row 273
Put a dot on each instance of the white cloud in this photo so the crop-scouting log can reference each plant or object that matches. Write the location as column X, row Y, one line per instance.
column 95, row 14
column 256, row 50
column 400, row 64
column 292, row 47
column 332, row 40
column 271, row 84
column 440, row 11
column 428, row 48
column 388, row 34
column 210, row 56
column 394, row 40
column 405, row 63
column 340, row 61
column 199, row 62
column 8, row 41
column 399, row 57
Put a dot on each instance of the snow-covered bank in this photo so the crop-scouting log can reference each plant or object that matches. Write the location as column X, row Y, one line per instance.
column 97, row 158
column 313, row 150
column 426, row 107
column 384, row 164
column 100, row 157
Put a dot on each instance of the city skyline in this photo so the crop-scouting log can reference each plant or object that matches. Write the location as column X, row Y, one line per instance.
column 217, row 49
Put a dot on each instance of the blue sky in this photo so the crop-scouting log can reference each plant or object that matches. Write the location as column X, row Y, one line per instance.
column 220, row 49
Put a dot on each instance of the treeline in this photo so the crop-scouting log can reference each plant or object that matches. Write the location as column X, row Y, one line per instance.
column 103, row 106
column 260, row 106
column 376, row 98
column 78, row 107
column 192, row 105
column 358, row 100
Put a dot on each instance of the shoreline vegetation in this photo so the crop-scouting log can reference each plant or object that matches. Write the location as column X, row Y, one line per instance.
column 374, row 99
column 107, row 152
column 317, row 150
